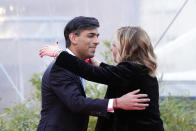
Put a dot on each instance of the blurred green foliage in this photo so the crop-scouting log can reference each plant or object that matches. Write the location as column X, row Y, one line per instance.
column 178, row 113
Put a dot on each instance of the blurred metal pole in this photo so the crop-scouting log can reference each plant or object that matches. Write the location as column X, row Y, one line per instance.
column 170, row 24
column 12, row 83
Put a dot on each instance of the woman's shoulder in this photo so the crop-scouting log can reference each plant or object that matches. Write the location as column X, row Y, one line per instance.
column 130, row 64
column 133, row 66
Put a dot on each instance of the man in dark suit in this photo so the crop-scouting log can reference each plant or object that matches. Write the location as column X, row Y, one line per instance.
column 64, row 103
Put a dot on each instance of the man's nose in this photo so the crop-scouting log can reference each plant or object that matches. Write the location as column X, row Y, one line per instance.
column 96, row 41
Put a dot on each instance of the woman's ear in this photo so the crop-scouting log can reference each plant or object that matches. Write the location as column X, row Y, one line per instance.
column 73, row 38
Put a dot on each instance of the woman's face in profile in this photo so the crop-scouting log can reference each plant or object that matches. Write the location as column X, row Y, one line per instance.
column 114, row 51
column 115, row 47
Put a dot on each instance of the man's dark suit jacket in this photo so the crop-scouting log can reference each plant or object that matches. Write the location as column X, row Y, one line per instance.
column 121, row 79
column 64, row 104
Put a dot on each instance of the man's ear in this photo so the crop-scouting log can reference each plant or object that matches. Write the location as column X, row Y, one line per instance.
column 73, row 38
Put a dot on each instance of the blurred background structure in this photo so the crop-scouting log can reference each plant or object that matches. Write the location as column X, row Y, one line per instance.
column 25, row 26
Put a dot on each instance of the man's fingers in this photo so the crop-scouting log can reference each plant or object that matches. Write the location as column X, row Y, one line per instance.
column 138, row 108
column 43, row 51
column 135, row 91
column 142, row 100
column 43, row 54
column 48, row 50
column 141, row 105
column 141, row 95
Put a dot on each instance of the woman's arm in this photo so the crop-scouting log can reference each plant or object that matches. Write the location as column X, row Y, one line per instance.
column 105, row 74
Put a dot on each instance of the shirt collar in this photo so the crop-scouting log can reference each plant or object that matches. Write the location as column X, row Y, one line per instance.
column 70, row 52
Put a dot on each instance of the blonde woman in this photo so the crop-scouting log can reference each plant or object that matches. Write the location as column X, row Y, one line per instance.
column 136, row 69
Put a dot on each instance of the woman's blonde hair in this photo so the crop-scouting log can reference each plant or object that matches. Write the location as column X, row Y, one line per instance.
column 134, row 45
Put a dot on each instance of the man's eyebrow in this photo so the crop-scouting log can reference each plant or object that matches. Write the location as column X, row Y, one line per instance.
column 93, row 34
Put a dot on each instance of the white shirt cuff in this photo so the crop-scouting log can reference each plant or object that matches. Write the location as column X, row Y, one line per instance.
column 110, row 106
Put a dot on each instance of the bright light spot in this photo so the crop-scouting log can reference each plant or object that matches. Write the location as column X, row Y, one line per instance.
column 11, row 8
column 2, row 19
column 2, row 11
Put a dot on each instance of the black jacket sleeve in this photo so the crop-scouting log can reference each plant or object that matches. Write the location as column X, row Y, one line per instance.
column 68, row 90
column 105, row 74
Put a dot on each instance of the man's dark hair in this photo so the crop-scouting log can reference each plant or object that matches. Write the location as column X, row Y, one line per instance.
column 77, row 25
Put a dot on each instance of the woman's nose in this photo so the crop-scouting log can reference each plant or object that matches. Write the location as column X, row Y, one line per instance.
column 111, row 48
